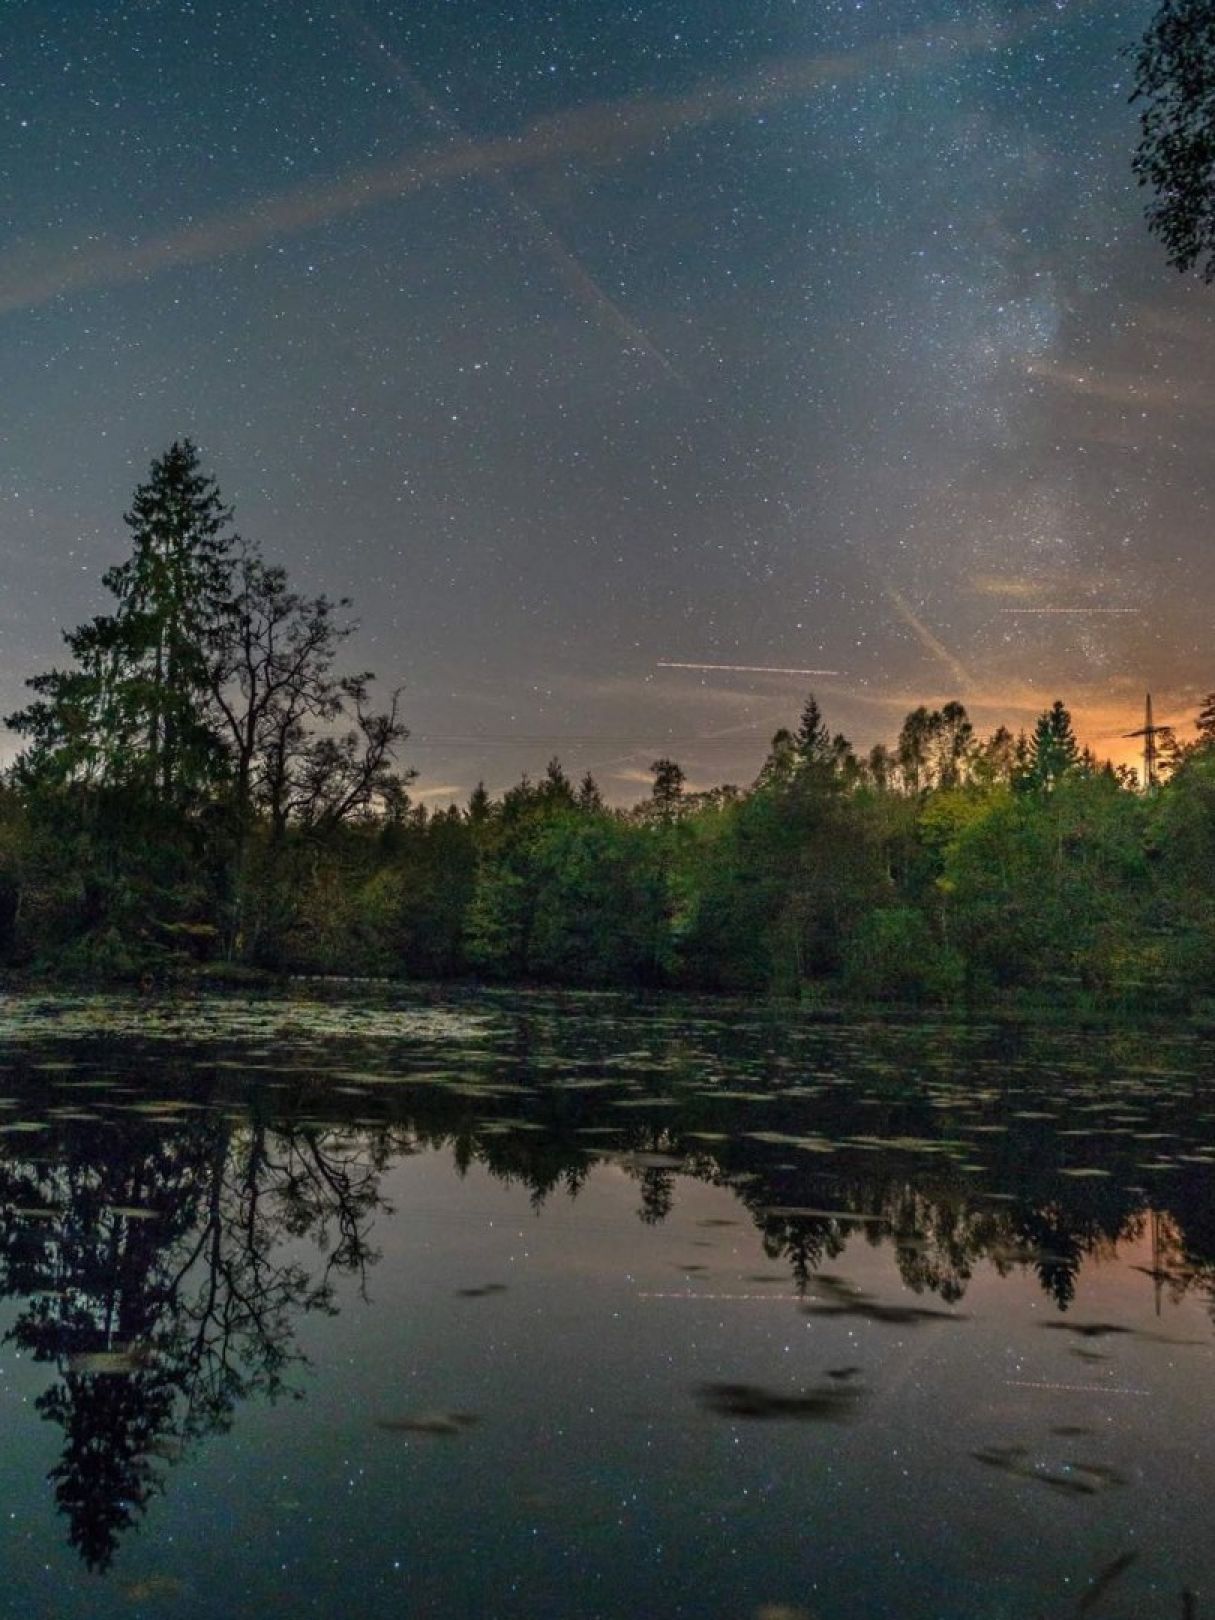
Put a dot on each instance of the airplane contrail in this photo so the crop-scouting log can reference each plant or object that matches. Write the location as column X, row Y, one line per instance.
column 599, row 131
column 743, row 669
column 925, row 637
column 571, row 269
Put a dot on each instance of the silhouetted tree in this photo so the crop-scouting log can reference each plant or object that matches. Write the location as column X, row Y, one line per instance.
column 135, row 711
column 813, row 740
column 1053, row 749
column 1175, row 82
column 667, row 791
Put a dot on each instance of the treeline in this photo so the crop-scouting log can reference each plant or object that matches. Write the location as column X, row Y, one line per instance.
column 202, row 789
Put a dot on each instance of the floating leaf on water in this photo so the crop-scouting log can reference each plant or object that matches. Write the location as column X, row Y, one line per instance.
column 830, row 1404
column 109, row 1363
column 1087, row 1330
column 837, row 1297
column 151, row 1588
column 1103, row 1580
column 647, row 1161
column 437, row 1423
column 1075, row 1479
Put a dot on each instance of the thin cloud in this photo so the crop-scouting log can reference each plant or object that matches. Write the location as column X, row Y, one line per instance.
column 541, row 235
column 448, row 790
column 1128, row 390
column 1005, row 585
column 600, row 132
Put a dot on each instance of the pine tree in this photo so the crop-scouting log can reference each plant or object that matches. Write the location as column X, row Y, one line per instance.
column 172, row 595
column 1206, row 722
column 782, row 760
column 556, row 789
column 589, row 796
column 667, row 792
column 1053, row 750
column 137, row 708
column 812, row 739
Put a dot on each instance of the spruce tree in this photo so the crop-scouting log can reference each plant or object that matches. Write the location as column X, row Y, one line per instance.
column 590, row 798
column 479, row 805
column 136, row 710
column 667, row 791
column 813, row 740
column 173, row 593
column 1053, row 750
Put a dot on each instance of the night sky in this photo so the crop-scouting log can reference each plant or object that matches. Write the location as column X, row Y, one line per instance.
column 568, row 339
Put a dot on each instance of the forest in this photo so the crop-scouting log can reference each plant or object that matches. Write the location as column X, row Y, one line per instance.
column 203, row 792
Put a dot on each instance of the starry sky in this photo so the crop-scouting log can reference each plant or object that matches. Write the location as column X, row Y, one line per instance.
column 572, row 339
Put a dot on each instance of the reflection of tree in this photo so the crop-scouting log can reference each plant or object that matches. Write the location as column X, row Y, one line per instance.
column 941, row 1221
column 205, row 1294
column 165, row 1287
column 657, row 1196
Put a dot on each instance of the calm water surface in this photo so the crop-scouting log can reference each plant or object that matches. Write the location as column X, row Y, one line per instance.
column 532, row 1307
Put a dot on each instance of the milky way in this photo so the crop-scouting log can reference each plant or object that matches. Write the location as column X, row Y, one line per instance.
column 581, row 342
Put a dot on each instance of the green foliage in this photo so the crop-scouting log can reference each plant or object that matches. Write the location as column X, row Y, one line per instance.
column 204, row 792
column 134, row 711
column 1175, row 83
column 894, row 956
column 1053, row 750
column 1051, row 888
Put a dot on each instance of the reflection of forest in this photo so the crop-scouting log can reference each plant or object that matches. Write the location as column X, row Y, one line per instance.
column 153, row 1246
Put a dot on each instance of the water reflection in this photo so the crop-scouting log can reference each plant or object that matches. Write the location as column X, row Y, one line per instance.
column 157, row 1273
column 162, row 1237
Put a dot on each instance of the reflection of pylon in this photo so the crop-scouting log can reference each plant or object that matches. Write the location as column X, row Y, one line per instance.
column 1149, row 731
column 1157, row 1270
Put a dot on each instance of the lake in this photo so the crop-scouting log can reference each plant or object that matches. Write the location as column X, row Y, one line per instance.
column 411, row 1303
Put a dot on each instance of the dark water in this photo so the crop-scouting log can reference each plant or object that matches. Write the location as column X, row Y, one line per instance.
column 533, row 1307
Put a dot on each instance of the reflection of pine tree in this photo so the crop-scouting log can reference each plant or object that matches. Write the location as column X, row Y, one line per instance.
column 657, row 1196
column 200, row 1294
column 106, row 1475
column 1054, row 752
